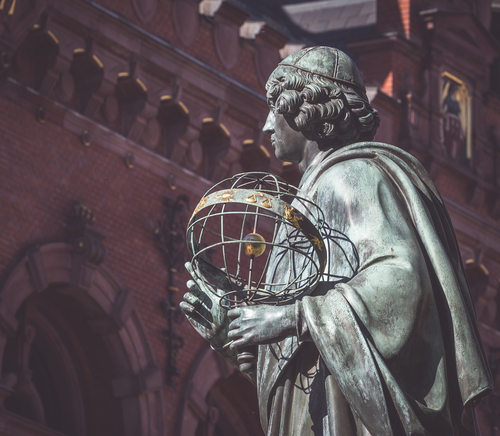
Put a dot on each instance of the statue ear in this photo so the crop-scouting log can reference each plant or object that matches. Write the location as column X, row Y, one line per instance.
column 324, row 129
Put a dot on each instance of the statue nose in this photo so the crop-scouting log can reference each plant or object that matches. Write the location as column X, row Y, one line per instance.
column 268, row 128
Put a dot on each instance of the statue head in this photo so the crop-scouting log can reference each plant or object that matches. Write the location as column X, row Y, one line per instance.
column 320, row 92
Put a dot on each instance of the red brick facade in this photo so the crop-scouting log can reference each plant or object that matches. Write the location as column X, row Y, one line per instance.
column 118, row 105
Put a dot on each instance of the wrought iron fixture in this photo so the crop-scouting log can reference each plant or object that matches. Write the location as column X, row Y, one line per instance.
column 170, row 234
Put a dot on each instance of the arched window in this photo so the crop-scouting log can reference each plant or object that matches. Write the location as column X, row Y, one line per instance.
column 76, row 359
column 219, row 401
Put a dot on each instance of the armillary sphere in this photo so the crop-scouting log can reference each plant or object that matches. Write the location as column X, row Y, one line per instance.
column 253, row 224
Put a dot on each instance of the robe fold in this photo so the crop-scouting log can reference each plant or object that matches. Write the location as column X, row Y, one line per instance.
column 388, row 342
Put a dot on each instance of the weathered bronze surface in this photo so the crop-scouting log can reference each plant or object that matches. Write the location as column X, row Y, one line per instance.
column 387, row 343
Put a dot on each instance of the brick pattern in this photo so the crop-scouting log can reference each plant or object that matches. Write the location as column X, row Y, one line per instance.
column 44, row 169
column 202, row 48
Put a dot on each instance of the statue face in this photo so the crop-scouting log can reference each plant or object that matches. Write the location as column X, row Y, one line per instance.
column 288, row 142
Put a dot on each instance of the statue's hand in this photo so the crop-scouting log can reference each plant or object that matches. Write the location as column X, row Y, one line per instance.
column 202, row 309
column 257, row 325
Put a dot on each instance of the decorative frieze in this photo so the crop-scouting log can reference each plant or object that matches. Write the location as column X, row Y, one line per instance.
column 186, row 20
column 125, row 88
column 145, row 9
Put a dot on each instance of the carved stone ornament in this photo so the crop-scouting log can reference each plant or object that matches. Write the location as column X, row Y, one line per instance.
column 268, row 43
column 65, row 87
column 266, row 59
column 145, row 9
column 152, row 133
column 227, row 43
column 186, row 20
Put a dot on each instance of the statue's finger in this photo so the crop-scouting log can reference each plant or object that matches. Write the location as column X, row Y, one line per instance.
column 186, row 308
column 200, row 285
column 238, row 343
column 234, row 333
column 192, row 300
column 234, row 313
column 198, row 318
column 190, row 270
column 193, row 287
column 235, row 324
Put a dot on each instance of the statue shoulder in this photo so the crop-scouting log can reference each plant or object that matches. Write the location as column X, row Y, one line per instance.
column 351, row 176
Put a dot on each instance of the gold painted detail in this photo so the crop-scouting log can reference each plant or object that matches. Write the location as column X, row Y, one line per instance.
column 254, row 245
column 226, row 196
column 12, row 7
column 202, row 203
column 317, row 242
column 253, row 199
column 290, row 216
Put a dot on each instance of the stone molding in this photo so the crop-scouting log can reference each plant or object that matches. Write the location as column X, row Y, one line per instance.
column 209, row 368
column 228, row 20
column 159, row 66
column 145, row 9
column 186, row 20
column 53, row 263
column 268, row 43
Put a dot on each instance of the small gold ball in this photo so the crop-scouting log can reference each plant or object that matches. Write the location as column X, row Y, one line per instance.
column 254, row 245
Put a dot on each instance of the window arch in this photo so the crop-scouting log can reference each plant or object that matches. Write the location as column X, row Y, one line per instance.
column 69, row 329
column 218, row 401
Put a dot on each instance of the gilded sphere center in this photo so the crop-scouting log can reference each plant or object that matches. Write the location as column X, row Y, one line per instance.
column 254, row 244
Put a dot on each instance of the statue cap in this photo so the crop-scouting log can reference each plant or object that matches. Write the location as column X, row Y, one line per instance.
column 328, row 62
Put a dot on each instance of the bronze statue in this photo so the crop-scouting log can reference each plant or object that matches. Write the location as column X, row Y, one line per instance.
column 387, row 343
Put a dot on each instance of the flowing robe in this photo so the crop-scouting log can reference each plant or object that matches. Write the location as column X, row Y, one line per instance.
column 387, row 343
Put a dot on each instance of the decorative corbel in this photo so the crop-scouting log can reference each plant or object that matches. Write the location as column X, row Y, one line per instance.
column 94, row 79
column 227, row 20
column 175, row 119
column 58, row 76
column 215, row 139
column 254, row 156
column 146, row 128
column 98, row 77
column 224, row 165
column 17, row 17
column 137, row 108
column 186, row 20
column 145, row 9
column 268, row 43
column 37, row 54
column 188, row 150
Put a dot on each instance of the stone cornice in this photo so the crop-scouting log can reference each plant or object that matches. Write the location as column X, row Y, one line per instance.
column 389, row 42
column 148, row 46
column 103, row 137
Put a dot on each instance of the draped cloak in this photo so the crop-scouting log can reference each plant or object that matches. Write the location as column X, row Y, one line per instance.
column 387, row 343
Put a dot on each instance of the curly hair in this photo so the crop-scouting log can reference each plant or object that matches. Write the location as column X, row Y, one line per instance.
column 330, row 112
